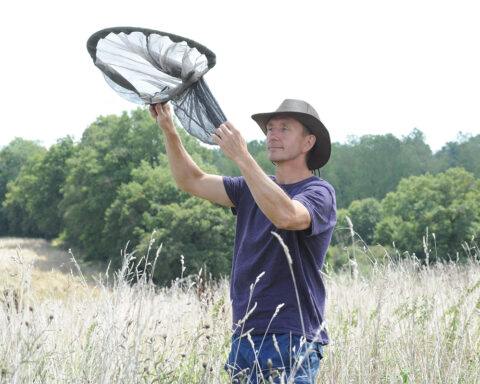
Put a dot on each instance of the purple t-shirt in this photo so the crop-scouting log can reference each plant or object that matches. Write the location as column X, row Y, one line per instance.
column 256, row 250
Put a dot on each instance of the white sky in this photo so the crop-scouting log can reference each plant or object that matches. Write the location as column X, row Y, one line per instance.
column 368, row 67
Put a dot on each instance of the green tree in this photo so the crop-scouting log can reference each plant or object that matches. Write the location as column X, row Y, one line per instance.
column 104, row 160
column 365, row 214
column 448, row 204
column 32, row 200
column 109, row 149
column 12, row 158
column 463, row 153
column 128, row 217
column 201, row 231
column 372, row 165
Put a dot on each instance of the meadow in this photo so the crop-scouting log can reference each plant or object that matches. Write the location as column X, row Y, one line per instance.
column 399, row 321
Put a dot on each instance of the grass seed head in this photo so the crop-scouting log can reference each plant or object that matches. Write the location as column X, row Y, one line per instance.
column 269, row 363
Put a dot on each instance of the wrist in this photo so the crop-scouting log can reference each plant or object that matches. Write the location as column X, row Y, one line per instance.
column 168, row 128
column 246, row 161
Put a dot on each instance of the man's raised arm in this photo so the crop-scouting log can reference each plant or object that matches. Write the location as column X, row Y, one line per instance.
column 277, row 206
column 188, row 176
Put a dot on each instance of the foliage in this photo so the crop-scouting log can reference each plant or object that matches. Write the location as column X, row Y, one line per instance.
column 446, row 205
column 364, row 215
column 463, row 153
column 115, row 187
column 31, row 203
column 355, row 257
column 196, row 229
column 12, row 158
column 120, row 187
column 110, row 148
column 150, row 203
column 371, row 166
column 125, row 217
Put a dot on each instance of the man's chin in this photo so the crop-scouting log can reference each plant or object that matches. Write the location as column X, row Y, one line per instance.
column 272, row 158
column 274, row 155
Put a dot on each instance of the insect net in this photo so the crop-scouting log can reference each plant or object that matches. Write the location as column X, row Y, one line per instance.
column 145, row 66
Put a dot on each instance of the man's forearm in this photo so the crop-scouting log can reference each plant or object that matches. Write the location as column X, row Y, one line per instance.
column 272, row 200
column 279, row 208
column 182, row 166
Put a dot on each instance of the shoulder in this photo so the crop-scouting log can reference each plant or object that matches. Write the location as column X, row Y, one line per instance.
column 315, row 191
column 238, row 181
column 321, row 183
column 315, row 180
column 233, row 182
column 236, row 188
column 315, row 183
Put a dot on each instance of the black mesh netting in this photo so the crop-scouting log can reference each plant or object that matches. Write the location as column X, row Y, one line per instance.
column 150, row 67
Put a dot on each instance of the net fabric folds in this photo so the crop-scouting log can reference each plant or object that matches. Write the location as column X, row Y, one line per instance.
column 145, row 66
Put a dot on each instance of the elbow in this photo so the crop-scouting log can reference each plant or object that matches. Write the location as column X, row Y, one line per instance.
column 291, row 222
column 183, row 186
column 190, row 184
column 284, row 221
column 187, row 188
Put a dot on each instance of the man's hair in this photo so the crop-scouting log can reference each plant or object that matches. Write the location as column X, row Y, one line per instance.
column 305, row 132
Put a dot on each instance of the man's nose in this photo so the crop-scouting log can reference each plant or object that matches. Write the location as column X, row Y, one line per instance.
column 272, row 134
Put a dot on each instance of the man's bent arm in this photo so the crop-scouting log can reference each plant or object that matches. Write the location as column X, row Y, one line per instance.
column 280, row 209
column 188, row 176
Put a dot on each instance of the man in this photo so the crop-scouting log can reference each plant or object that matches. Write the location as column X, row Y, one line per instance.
column 278, row 308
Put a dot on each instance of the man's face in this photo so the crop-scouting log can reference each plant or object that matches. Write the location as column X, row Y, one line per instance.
column 286, row 139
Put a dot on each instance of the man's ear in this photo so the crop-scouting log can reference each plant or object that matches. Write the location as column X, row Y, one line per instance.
column 310, row 142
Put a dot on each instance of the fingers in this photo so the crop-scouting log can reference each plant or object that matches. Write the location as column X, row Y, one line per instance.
column 226, row 129
column 152, row 111
column 222, row 130
column 160, row 110
column 163, row 109
column 230, row 126
column 216, row 138
column 221, row 134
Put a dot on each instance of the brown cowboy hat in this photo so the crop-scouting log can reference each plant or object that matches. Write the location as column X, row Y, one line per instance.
column 304, row 113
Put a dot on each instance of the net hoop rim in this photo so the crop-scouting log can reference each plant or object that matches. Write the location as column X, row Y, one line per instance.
column 97, row 36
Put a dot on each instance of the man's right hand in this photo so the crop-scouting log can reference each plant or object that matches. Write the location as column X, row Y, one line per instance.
column 163, row 115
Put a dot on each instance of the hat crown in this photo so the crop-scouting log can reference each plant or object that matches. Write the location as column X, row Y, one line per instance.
column 300, row 106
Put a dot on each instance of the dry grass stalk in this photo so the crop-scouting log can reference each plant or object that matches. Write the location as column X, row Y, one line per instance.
column 402, row 323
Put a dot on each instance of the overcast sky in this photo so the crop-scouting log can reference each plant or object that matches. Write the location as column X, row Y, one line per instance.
column 368, row 67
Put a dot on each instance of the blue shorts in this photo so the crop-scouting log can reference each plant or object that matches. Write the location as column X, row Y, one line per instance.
column 293, row 358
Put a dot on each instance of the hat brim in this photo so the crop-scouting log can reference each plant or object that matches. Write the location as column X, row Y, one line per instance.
column 321, row 150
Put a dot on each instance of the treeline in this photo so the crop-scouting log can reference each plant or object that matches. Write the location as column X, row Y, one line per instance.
column 114, row 187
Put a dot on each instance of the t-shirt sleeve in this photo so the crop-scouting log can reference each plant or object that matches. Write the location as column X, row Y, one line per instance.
column 233, row 187
column 320, row 203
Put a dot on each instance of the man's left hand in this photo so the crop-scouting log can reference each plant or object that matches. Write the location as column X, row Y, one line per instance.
column 231, row 142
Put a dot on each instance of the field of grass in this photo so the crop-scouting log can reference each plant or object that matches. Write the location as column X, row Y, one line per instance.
column 402, row 322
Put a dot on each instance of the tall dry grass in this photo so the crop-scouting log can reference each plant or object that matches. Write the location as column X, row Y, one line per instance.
column 403, row 322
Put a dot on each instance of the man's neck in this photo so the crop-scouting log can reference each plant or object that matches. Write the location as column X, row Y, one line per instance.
column 286, row 174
